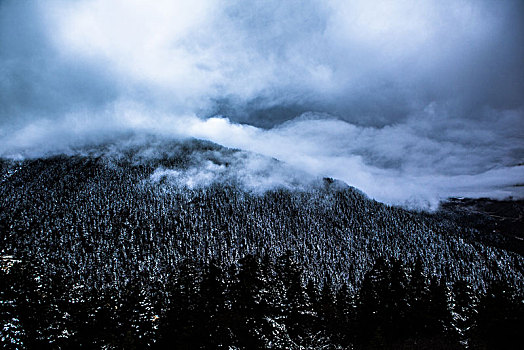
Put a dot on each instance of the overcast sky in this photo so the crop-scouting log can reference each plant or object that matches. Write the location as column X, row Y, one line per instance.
column 410, row 101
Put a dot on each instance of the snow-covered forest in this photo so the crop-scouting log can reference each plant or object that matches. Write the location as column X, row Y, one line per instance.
column 95, row 252
column 257, row 302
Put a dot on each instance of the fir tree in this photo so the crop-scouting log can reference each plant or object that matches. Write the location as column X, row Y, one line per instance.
column 500, row 319
column 419, row 321
column 464, row 310
column 345, row 310
column 397, row 304
column 249, row 307
column 371, row 309
column 181, row 326
column 214, row 308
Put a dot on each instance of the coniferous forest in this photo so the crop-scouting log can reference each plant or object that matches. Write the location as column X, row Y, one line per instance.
column 95, row 254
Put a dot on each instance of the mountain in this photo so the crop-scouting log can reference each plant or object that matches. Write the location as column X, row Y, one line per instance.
column 87, row 202
column 139, row 210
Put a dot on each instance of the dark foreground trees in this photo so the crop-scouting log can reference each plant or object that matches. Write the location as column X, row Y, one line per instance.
column 257, row 303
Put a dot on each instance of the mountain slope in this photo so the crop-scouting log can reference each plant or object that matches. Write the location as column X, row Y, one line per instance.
column 112, row 212
column 500, row 222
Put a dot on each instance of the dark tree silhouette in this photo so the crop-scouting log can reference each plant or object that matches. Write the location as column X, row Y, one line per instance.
column 500, row 319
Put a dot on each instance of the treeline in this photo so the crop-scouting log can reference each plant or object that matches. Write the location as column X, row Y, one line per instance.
column 258, row 303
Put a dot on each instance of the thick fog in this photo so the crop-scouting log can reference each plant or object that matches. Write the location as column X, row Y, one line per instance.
column 409, row 101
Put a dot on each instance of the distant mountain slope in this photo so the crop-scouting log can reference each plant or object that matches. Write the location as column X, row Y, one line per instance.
column 105, row 214
column 500, row 223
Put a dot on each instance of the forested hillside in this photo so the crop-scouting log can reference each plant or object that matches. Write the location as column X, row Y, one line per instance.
column 98, row 236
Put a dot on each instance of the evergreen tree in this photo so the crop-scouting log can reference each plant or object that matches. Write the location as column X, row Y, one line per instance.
column 59, row 323
column 296, row 309
column 439, row 314
column 419, row 321
column 135, row 316
column 12, row 333
column 312, row 295
column 500, row 319
column 345, row 309
column 86, row 326
column 181, row 326
column 464, row 310
column 249, row 306
column 214, row 308
column 327, row 311
column 106, row 328
column 371, row 308
column 31, row 304
column 397, row 305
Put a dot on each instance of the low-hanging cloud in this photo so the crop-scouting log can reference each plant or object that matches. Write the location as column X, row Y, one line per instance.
column 410, row 101
column 252, row 172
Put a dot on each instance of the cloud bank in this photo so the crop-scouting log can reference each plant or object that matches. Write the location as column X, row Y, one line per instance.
column 410, row 101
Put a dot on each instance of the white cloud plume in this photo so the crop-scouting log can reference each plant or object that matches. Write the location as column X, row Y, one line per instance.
column 417, row 163
column 250, row 171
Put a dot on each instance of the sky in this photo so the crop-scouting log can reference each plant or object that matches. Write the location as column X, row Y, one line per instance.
column 410, row 101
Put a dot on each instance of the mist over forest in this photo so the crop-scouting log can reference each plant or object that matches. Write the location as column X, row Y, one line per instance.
column 411, row 102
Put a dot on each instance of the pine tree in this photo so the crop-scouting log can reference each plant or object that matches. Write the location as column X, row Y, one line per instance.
column 500, row 319
column 105, row 328
column 464, row 310
column 418, row 323
column 12, row 333
column 83, row 307
column 135, row 316
column 213, row 304
column 248, row 309
column 181, row 327
column 312, row 295
column 345, row 310
column 327, row 311
column 371, row 308
column 397, row 305
column 439, row 313
column 59, row 322
column 296, row 310
column 31, row 304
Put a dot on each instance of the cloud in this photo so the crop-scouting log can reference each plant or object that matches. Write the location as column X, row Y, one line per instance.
column 252, row 172
column 368, row 62
column 407, row 100
column 36, row 80
column 417, row 163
